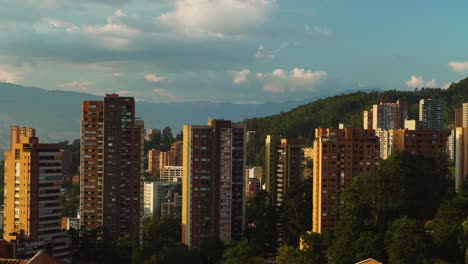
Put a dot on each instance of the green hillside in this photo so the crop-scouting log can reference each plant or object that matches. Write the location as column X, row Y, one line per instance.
column 347, row 108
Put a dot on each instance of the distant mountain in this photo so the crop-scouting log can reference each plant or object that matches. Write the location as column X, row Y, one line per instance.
column 56, row 114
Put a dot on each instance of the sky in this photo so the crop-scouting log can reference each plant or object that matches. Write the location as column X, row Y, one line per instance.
column 239, row 51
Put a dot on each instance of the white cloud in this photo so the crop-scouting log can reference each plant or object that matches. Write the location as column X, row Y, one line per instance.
column 68, row 27
column 8, row 76
column 297, row 80
column 165, row 94
column 241, row 76
column 259, row 75
column 77, row 85
column 459, row 66
column 217, row 18
column 317, row 31
column 113, row 27
column 418, row 81
column 154, row 78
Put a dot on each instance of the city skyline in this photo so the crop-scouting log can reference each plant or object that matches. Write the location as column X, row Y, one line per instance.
column 280, row 50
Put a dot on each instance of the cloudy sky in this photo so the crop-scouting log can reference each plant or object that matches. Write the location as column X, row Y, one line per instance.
column 248, row 51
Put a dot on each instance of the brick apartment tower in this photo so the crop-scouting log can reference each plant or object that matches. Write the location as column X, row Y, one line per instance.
column 283, row 170
column 213, row 182
column 33, row 172
column 283, row 164
column 176, row 153
column 153, row 161
column 461, row 156
column 111, row 182
column 339, row 155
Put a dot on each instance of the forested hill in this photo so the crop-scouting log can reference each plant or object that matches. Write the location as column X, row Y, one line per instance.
column 347, row 108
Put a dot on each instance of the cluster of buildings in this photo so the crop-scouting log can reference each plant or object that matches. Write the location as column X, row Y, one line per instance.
column 203, row 178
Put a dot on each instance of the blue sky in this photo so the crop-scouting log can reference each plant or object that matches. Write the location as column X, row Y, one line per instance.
column 242, row 51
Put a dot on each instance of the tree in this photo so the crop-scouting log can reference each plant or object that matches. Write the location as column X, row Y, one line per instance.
column 261, row 222
column 406, row 242
column 447, row 228
column 295, row 211
column 313, row 248
column 211, row 250
column 289, row 255
column 160, row 234
column 241, row 252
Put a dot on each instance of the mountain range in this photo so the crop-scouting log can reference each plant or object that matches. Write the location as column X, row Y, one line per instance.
column 56, row 114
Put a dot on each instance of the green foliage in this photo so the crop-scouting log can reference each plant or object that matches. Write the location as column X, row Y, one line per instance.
column 296, row 211
column 312, row 253
column 159, row 234
column 70, row 201
column 407, row 242
column 404, row 185
column 211, row 250
column 450, row 239
column 328, row 112
column 241, row 252
column 289, row 255
column 261, row 217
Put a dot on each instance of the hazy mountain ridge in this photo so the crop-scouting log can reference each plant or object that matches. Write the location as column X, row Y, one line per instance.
column 56, row 114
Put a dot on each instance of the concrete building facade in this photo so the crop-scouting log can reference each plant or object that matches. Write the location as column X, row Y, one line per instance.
column 461, row 155
column 339, row 155
column 213, row 182
column 33, row 173
column 431, row 113
column 111, row 168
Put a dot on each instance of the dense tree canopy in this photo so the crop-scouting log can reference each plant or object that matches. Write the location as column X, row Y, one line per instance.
column 379, row 207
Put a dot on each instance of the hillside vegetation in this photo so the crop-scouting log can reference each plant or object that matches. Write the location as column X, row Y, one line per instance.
column 347, row 108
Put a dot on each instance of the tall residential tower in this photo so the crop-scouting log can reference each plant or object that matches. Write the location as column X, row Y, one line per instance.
column 213, row 182
column 32, row 218
column 111, row 184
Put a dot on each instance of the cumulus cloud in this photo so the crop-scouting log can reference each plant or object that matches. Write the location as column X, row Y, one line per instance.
column 77, row 85
column 296, row 80
column 55, row 25
column 217, row 18
column 113, row 30
column 418, row 81
column 241, row 76
column 165, row 94
column 154, row 78
column 317, row 31
column 459, row 66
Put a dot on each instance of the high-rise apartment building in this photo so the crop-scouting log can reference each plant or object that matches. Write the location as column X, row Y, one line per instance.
column 339, row 155
column 431, row 113
column 111, row 182
column 213, row 182
column 386, row 116
column 32, row 217
column 461, row 115
column 461, row 156
column 423, row 142
column 283, row 166
column 153, row 161
column 176, row 153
